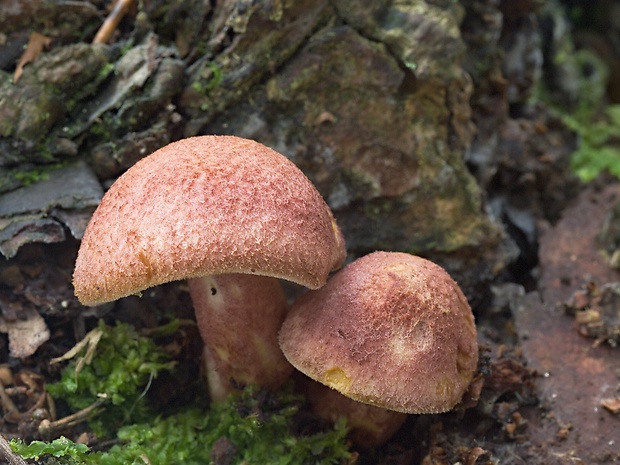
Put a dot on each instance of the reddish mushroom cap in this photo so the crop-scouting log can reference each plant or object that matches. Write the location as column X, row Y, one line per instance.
column 202, row 206
column 391, row 330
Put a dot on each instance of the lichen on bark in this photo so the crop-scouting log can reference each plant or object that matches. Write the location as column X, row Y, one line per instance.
column 370, row 99
column 384, row 143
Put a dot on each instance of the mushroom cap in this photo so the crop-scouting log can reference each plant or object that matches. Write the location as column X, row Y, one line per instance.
column 391, row 330
column 203, row 206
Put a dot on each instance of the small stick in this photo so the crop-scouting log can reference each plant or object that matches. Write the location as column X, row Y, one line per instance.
column 50, row 428
column 7, row 403
column 111, row 22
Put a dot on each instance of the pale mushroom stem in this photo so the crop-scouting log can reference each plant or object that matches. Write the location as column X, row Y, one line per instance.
column 369, row 426
column 239, row 317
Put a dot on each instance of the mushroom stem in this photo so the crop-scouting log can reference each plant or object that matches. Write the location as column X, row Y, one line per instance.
column 369, row 426
column 239, row 317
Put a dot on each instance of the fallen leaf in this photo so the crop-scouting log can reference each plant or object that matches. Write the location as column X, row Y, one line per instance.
column 25, row 334
column 36, row 43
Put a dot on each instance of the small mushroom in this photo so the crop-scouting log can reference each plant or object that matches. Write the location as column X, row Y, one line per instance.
column 391, row 330
column 232, row 216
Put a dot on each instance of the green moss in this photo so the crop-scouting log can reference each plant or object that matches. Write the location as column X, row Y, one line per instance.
column 70, row 452
column 377, row 209
column 30, row 177
column 92, row 87
column 107, row 128
column 27, row 176
column 114, row 364
column 212, row 78
column 596, row 125
column 105, row 71
column 598, row 148
column 255, row 427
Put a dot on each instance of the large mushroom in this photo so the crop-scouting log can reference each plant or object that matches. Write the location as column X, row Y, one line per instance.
column 232, row 216
column 390, row 330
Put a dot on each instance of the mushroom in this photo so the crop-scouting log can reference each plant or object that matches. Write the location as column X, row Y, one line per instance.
column 391, row 330
column 232, row 216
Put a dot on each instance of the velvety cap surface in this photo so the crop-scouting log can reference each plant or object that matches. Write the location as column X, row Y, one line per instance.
column 207, row 205
column 391, row 330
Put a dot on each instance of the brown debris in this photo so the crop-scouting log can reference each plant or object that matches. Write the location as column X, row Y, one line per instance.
column 613, row 405
column 442, row 452
column 24, row 403
column 36, row 43
column 25, row 334
column 597, row 312
column 509, row 388
column 223, row 451
column 564, row 431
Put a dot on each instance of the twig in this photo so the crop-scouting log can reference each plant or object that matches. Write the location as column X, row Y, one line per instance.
column 111, row 22
column 8, row 454
column 7, row 403
column 50, row 428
